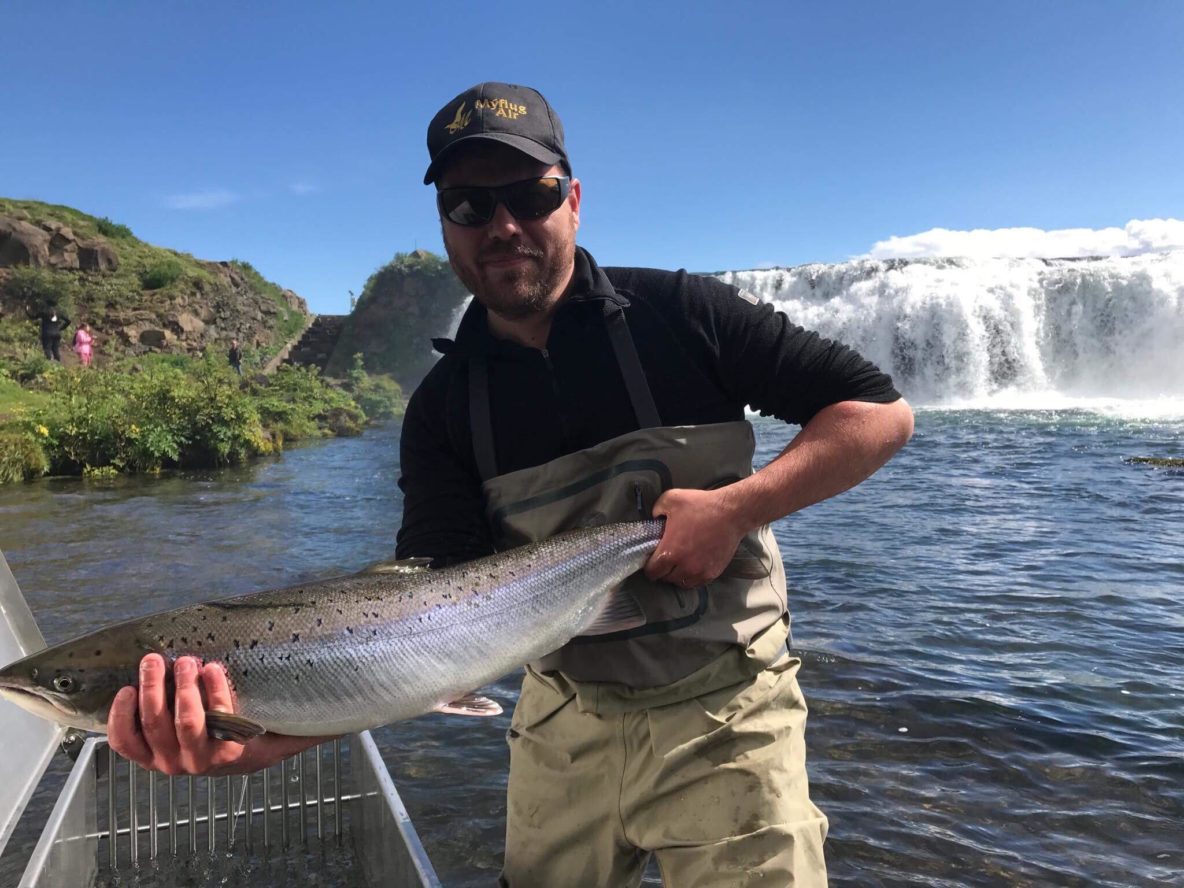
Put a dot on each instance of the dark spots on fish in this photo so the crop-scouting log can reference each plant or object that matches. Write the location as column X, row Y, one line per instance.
column 246, row 672
column 295, row 636
column 169, row 646
column 254, row 643
column 349, row 630
column 198, row 643
column 320, row 622
column 338, row 610
column 98, row 652
column 225, row 618
column 296, row 609
column 210, row 636
column 270, row 625
column 261, row 658
column 373, row 631
column 236, row 644
column 297, row 677
column 184, row 639
column 70, row 656
column 308, row 662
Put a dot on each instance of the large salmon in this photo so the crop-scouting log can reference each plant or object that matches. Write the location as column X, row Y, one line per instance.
column 358, row 651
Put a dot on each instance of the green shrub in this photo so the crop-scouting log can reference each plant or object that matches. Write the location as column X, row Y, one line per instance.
column 379, row 396
column 157, row 413
column 159, row 417
column 298, row 404
column 161, row 273
column 21, row 456
column 107, row 228
column 36, row 288
column 34, row 366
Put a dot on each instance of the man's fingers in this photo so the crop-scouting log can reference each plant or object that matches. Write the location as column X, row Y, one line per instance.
column 156, row 719
column 190, row 715
column 218, row 695
column 121, row 728
column 659, row 566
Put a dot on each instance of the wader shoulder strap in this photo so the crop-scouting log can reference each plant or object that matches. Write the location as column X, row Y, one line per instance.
column 625, row 348
column 480, row 420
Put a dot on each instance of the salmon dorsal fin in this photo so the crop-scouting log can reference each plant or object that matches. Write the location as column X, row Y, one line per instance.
column 228, row 726
column 402, row 566
column 619, row 612
column 471, row 704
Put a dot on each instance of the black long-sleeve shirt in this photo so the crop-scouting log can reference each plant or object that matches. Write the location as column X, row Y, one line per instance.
column 707, row 351
column 53, row 322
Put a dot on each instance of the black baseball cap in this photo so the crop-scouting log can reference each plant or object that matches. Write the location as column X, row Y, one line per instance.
column 517, row 116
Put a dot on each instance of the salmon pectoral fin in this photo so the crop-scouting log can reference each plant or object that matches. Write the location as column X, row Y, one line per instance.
column 402, row 566
column 228, row 726
column 620, row 611
column 471, row 704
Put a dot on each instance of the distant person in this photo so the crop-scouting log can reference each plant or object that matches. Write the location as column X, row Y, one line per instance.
column 235, row 356
column 53, row 322
column 84, row 343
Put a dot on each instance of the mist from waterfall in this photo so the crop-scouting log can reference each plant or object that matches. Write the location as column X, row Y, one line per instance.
column 1001, row 333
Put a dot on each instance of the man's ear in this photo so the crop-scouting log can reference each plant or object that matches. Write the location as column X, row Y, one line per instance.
column 573, row 196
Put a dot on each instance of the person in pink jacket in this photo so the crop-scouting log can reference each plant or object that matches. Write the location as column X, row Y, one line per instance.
column 84, row 344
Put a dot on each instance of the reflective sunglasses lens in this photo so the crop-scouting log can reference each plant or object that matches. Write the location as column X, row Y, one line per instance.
column 467, row 206
column 535, row 198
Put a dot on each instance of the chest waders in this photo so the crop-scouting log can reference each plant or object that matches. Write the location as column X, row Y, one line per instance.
column 694, row 641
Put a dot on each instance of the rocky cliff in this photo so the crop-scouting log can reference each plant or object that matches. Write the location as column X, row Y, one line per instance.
column 403, row 305
column 138, row 297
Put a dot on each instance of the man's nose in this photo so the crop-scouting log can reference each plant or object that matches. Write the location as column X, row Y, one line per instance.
column 503, row 225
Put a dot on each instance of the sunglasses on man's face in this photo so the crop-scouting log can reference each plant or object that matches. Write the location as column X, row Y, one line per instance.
column 473, row 205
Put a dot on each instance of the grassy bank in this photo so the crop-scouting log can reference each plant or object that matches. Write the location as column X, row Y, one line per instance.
column 167, row 411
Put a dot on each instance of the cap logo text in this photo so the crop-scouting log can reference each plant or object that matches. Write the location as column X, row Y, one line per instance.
column 501, row 108
column 460, row 121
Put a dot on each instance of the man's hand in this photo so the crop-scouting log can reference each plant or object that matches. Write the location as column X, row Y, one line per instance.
column 841, row 446
column 700, row 540
column 175, row 741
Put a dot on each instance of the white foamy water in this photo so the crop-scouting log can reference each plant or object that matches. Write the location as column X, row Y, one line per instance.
column 1101, row 334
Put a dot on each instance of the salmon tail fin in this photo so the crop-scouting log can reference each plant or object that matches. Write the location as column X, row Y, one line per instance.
column 619, row 612
column 471, row 704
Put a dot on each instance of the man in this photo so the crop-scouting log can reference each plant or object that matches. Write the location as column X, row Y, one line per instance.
column 53, row 322
column 235, row 356
column 575, row 394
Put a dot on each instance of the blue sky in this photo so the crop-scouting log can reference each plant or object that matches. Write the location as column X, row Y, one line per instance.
column 707, row 136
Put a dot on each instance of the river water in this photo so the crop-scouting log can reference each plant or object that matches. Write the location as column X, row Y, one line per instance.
column 992, row 631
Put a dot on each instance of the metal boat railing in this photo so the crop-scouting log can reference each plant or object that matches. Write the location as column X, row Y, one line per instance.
column 111, row 816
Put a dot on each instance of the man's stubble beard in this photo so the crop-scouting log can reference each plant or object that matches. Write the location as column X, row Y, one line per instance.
column 528, row 291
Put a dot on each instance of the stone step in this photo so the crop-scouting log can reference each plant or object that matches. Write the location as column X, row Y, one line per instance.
column 315, row 347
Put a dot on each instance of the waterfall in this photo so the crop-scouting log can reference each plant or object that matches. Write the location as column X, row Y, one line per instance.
column 955, row 331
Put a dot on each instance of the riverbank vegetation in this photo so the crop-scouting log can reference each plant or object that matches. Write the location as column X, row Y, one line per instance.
column 170, row 411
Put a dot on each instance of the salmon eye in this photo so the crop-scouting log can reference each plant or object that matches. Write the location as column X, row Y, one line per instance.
column 63, row 683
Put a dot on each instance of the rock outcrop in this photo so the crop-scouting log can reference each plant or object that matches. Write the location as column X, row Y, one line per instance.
column 404, row 304
column 50, row 244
